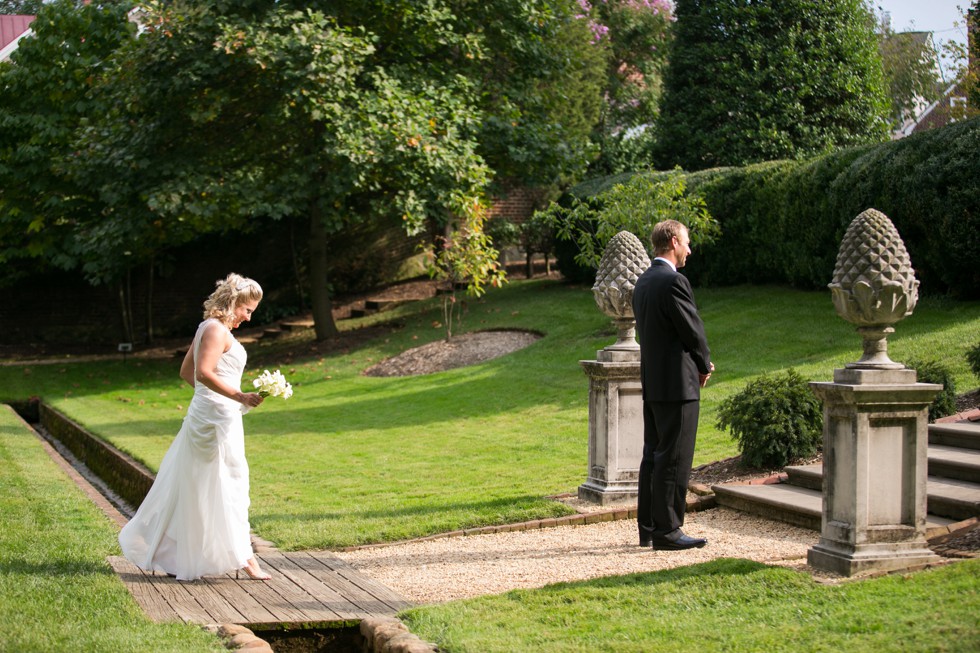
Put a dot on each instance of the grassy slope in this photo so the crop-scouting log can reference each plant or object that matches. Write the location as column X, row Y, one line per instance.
column 352, row 459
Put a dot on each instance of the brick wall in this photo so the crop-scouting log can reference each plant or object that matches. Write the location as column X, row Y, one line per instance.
column 516, row 203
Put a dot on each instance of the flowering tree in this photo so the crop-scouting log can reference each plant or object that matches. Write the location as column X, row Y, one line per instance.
column 635, row 35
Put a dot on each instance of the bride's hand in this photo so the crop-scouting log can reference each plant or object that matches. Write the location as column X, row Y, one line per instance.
column 252, row 399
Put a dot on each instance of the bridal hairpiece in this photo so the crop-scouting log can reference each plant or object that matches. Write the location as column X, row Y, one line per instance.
column 245, row 283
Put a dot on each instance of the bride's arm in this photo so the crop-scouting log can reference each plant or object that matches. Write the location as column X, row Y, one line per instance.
column 187, row 367
column 214, row 342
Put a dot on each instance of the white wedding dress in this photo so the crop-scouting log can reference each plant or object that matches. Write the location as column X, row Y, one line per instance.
column 194, row 520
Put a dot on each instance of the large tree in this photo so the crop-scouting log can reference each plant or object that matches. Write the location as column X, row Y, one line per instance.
column 227, row 113
column 22, row 7
column 46, row 218
column 752, row 81
column 635, row 36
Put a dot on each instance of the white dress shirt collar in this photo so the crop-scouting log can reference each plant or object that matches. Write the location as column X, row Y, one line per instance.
column 672, row 266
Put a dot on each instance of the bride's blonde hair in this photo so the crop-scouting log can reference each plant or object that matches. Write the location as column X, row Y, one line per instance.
column 230, row 292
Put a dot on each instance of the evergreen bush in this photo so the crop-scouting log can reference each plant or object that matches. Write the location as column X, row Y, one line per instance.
column 753, row 81
column 931, row 371
column 776, row 420
column 782, row 221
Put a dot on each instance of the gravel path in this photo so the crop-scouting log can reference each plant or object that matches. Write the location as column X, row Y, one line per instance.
column 433, row 571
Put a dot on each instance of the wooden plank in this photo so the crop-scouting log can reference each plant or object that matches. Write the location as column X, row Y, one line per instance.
column 364, row 582
column 181, row 599
column 332, row 601
column 162, row 597
column 305, row 588
column 208, row 592
column 141, row 586
column 280, row 596
column 350, row 583
column 252, row 611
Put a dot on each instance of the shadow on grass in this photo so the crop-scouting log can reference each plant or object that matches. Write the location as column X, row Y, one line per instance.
column 414, row 402
column 715, row 568
column 54, row 568
column 501, row 506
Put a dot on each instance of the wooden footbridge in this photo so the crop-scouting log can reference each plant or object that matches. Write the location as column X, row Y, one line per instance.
column 307, row 588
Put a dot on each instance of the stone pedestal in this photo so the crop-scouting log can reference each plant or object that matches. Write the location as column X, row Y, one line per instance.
column 615, row 426
column 874, row 472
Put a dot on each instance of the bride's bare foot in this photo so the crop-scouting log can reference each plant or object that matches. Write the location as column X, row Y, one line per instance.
column 254, row 571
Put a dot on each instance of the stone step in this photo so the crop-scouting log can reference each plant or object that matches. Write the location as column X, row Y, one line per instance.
column 808, row 476
column 381, row 304
column 956, row 434
column 946, row 497
column 953, row 498
column 954, row 462
column 296, row 325
column 794, row 505
column 783, row 502
column 361, row 312
column 944, row 462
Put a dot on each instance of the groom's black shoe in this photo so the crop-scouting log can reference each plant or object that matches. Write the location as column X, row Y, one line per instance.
column 676, row 541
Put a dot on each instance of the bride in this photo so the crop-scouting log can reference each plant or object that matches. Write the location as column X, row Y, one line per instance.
column 194, row 520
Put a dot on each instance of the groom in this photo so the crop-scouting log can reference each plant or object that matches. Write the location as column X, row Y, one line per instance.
column 674, row 365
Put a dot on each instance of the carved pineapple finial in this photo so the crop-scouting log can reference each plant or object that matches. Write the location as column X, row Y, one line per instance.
column 622, row 262
column 874, row 285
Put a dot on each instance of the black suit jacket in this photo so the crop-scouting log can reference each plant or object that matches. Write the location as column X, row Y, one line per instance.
column 673, row 347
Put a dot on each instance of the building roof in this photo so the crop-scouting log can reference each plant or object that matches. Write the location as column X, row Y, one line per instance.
column 12, row 28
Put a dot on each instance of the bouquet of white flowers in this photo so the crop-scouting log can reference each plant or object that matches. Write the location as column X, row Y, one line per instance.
column 273, row 384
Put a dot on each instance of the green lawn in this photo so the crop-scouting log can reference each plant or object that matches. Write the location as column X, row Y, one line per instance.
column 352, row 459
column 57, row 592
column 721, row 606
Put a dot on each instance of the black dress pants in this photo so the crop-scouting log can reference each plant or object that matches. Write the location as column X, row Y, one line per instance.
column 669, row 431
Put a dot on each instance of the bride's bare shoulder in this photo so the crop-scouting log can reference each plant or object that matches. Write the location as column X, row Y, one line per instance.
column 213, row 330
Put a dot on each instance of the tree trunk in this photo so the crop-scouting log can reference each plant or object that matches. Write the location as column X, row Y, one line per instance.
column 297, row 273
column 149, row 304
column 126, row 309
column 323, row 323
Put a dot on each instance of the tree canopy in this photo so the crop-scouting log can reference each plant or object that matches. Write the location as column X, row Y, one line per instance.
column 45, row 93
column 635, row 35
column 753, row 81
column 222, row 114
column 21, row 7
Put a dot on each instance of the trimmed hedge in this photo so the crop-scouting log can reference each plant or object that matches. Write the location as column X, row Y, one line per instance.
column 783, row 221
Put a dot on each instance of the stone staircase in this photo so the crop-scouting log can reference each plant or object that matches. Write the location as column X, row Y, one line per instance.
column 953, row 485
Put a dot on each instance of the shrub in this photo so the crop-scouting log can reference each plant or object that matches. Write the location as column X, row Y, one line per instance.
column 503, row 232
column 931, row 371
column 973, row 358
column 775, row 419
column 635, row 205
column 782, row 221
column 756, row 81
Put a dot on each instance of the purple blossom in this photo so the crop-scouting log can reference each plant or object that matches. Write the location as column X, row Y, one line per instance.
column 598, row 31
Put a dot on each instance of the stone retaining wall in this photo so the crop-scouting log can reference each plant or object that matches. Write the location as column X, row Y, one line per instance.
column 129, row 479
